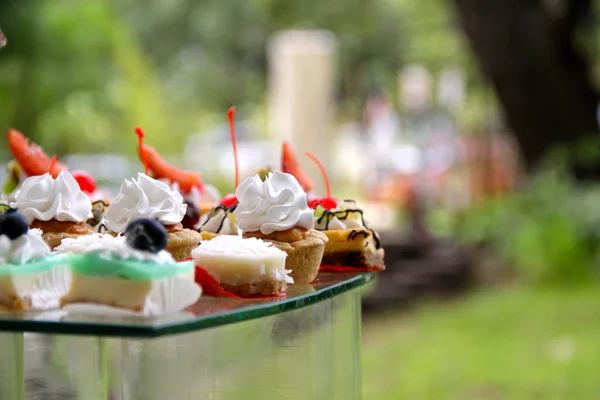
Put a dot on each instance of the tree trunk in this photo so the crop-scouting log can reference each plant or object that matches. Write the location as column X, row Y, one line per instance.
column 529, row 56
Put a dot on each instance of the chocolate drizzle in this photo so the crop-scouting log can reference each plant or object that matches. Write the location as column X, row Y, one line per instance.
column 341, row 215
column 328, row 215
column 102, row 228
column 354, row 234
column 215, row 210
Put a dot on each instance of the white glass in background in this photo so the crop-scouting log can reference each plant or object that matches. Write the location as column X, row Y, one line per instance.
column 306, row 353
column 301, row 102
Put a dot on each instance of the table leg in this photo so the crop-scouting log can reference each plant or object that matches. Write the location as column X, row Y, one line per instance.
column 12, row 375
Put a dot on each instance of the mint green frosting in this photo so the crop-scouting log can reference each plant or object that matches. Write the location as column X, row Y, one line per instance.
column 99, row 264
column 34, row 266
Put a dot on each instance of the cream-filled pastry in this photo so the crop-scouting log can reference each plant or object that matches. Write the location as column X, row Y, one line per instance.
column 276, row 210
column 24, row 260
column 121, row 271
column 150, row 198
column 247, row 267
column 351, row 242
column 56, row 206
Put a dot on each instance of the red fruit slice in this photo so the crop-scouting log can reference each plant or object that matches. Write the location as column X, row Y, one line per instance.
column 327, row 203
column 163, row 170
column 229, row 200
column 290, row 165
column 87, row 184
column 30, row 156
column 210, row 287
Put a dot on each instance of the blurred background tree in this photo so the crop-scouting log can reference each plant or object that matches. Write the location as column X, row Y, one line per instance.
column 93, row 70
column 538, row 56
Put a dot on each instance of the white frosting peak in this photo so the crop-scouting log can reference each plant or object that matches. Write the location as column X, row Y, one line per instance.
column 44, row 198
column 27, row 247
column 98, row 243
column 277, row 204
column 144, row 197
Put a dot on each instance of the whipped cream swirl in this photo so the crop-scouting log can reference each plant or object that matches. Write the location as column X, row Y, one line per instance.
column 110, row 245
column 275, row 205
column 144, row 197
column 27, row 247
column 44, row 198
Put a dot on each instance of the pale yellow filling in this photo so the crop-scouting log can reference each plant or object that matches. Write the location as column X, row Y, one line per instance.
column 112, row 291
column 338, row 241
column 115, row 292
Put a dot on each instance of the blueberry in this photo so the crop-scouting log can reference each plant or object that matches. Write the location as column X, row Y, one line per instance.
column 146, row 234
column 13, row 224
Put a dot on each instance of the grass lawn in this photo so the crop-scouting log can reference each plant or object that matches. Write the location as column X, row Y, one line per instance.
column 512, row 343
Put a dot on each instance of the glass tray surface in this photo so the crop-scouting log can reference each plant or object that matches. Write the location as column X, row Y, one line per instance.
column 208, row 312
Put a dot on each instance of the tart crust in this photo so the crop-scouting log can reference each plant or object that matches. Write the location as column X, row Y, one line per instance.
column 181, row 243
column 9, row 298
column 270, row 287
column 303, row 256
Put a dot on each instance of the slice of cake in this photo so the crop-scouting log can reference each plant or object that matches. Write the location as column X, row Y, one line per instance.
column 246, row 267
column 122, row 271
column 351, row 242
column 25, row 259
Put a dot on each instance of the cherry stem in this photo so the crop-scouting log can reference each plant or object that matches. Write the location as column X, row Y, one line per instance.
column 52, row 164
column 231, row 117
column 140, row 134
column 323, row 173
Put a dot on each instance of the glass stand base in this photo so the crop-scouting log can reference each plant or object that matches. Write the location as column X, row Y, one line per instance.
column 308, row 353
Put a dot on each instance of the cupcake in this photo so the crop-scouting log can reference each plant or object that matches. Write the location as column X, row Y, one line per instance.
column 150, row 198
column 56, row 206
column 276, row 210
column 123, row 271
column 246, row 267
column 351, row 242
column 25, row 260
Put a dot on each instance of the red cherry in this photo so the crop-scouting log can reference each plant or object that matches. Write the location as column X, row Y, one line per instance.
column 229, row 200
column 327, row 203
column 87, row 184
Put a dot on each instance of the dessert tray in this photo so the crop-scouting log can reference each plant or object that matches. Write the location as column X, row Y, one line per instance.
column 168, row 254
column 208, row 312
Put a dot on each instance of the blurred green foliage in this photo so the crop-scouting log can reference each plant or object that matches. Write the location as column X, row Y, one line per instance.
column 78, row 76
column 514, row 343
column 547, row 232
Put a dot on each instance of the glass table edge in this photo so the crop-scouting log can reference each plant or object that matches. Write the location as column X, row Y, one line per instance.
column 199, row 323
